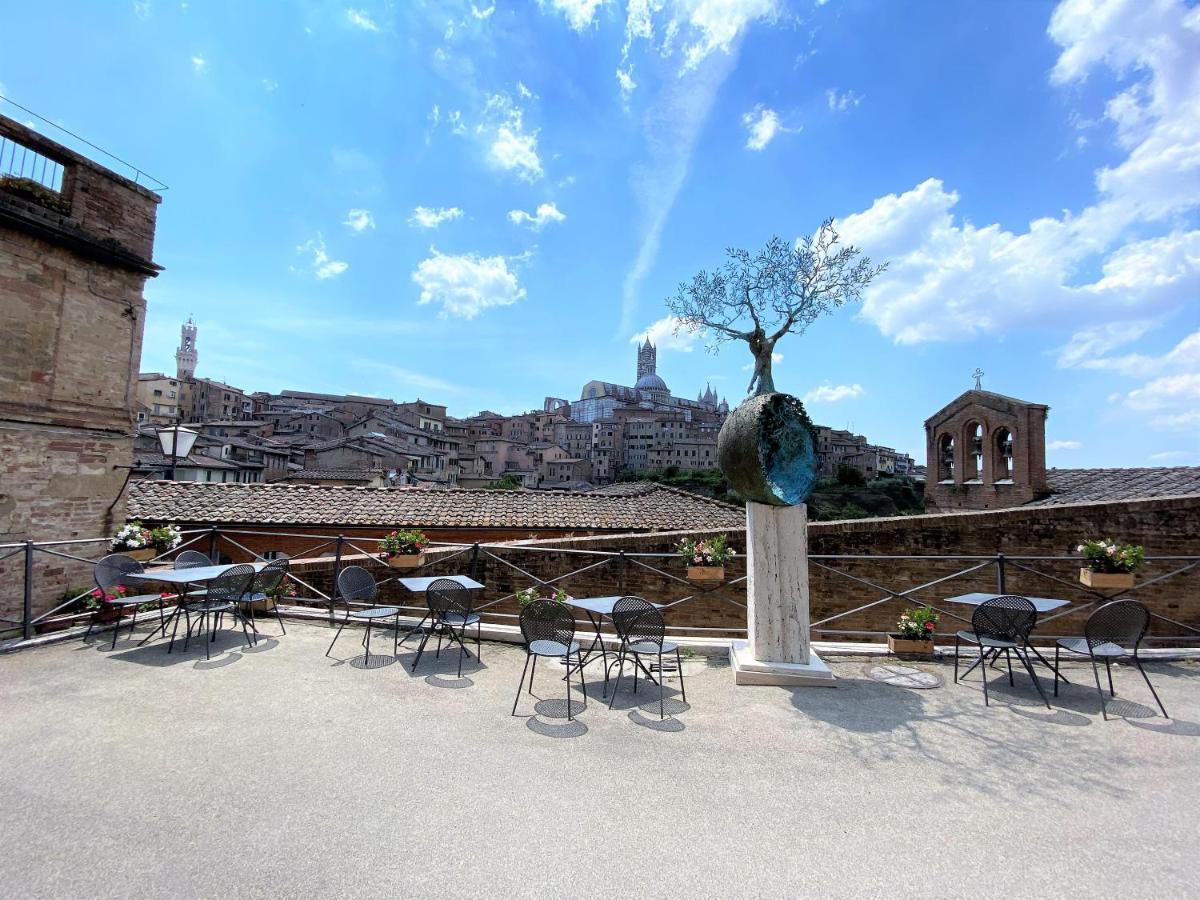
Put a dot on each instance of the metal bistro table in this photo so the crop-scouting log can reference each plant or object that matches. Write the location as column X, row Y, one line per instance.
column 1041, row 604
column 598, row 608
column 420, row 584
column 183, row 578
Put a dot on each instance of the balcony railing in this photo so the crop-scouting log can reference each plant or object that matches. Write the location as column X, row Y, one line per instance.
column 690, row 611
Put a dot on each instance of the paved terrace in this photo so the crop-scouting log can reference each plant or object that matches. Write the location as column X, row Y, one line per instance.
column 280, row 772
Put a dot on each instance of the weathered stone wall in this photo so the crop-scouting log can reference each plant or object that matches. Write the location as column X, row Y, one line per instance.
column 71, row 316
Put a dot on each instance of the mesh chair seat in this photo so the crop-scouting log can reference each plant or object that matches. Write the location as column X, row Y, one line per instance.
column 987, row 640
column 1080, row 645
column 375, row 612
column 651, row 648
column 135, row 600
column 210, row 606
column 553, row 648
column 458, row 620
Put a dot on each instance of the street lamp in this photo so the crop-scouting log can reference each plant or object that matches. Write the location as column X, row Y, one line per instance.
column 176, row 443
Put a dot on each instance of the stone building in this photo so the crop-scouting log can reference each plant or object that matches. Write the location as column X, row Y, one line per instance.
column 158, row 399
column 76, row 248
column 985, row 451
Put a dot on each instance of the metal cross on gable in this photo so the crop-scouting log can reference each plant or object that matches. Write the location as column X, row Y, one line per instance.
column 978, row 376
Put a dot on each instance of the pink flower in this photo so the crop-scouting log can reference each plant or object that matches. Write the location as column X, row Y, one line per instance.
column 97, row 593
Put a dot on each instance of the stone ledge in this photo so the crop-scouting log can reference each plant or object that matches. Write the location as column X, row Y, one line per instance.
column 748, row 670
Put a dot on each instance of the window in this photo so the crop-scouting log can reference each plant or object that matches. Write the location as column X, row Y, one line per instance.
column 1003, row 469
column 974, row 462
column 945, row 459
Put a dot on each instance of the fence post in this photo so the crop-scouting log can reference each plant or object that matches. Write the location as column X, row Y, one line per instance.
column 27, row 598
column 621, row 574
column 1000, row 588
column 337, row 570
column 474, row 567
column 212, row 543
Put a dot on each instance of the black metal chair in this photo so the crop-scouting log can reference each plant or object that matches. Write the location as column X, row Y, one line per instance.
column 222, row 596
column 548, row 628
column 192, row 559
column 640, row 627
column 110, row 574
column 1108, row 631
column 1002, row 624
column 450, row 613
column 356, row 585
column 269, row 577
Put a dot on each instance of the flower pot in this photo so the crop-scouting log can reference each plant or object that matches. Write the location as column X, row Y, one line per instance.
column 900, row 645
column 706, row 573
column 145, row 554
column 61, row 623
column 405, row 560
column 262, row 607
column 1116, row 581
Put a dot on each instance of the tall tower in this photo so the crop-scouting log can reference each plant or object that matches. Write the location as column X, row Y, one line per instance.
column 647, row 359
column 185, row 356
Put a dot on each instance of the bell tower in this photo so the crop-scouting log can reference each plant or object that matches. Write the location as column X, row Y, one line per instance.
column 647, row 360
column 185, row 356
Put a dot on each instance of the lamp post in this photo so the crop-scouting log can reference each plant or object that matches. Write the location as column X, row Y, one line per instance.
column 176, row 443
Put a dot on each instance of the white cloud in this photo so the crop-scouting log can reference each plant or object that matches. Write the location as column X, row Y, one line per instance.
column 716, row 24
column 482, row 13
column 406, row 377
column 456, row 122
column 199, row 65
column 579, row 13
column 762, row 124
column 322, row 266
column 1064, row 445
column 427, row 217
column 467, row 284
column 833, row 393
column 359, row 19
column 625, row 80
column 141, row 8
column 511, row 147
column 1171, row 401
column 269, row 85
column 546, row 213
column 840, row 101
column 951, row 279
column 1173, row 456
column 524, row 92
column 663, row 335
column 359, row 220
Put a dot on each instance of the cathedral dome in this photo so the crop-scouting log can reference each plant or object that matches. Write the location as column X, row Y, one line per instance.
column 651, row 382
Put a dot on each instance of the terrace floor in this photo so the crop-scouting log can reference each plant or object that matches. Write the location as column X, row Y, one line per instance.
column 280, row 772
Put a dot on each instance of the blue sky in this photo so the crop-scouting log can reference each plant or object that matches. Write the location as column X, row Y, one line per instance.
column 484, row 204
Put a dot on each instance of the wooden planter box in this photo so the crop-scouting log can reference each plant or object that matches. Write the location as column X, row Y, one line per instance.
column 900, row 645
column 706, row 573
column 405, row 560
column 144, row 555
column 1116, row 581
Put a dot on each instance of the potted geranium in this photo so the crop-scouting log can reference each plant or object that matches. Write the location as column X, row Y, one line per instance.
column 404, row 549
column 914, row 631
column 136, row 540
column 529, row 595
column 706, row 559
column 1109, row 565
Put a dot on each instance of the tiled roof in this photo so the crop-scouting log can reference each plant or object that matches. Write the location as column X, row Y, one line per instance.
column 1105, row 485
column 336, row 474
column 658, row 507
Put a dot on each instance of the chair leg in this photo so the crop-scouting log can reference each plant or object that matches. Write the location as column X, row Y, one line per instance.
column 567, row 660
column 421, row 647
column 1099, row 690
column 679, row 669
column 617, row 680
column 396, row 636
column 983, row 673
column 1008, row 659
column 462, row 650
column 1056, row 670
column 956, row 659
column 279, row 617
column 662, row 688
column 368, row 656
column 1108, row 668
column 582, row 683
column 531, row 671
column 521, row 683
column 1137, row 662
column 1024, row 657
column 329, row 649
column 116, row 628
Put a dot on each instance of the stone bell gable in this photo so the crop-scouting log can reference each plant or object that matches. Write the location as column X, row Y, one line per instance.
column 985, row 451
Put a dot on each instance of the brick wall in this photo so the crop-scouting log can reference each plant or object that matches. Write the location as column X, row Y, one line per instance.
column 71, row 314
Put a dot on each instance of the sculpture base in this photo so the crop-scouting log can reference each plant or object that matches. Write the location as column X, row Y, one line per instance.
column 748, row 670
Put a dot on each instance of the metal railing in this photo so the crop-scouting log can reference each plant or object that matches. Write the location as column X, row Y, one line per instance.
column 514, row 564
column 20, row 161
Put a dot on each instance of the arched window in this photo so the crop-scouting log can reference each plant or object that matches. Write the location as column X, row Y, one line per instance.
column 945, row 458
column 1003, row 455
column 973, row 464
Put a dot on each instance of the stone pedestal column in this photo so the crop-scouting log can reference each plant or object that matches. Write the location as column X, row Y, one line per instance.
column 778, row 650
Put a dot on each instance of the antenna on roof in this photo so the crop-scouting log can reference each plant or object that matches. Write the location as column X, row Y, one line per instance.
column 978, row 376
